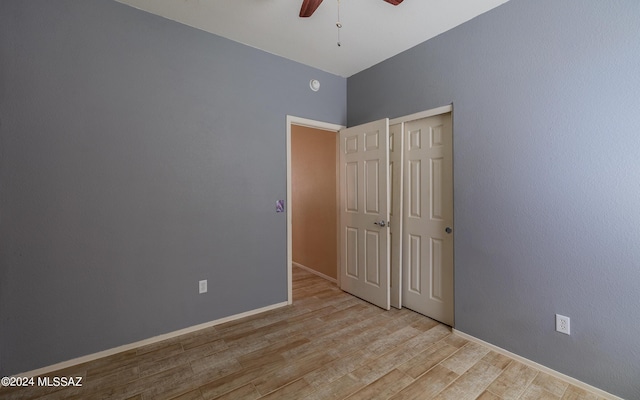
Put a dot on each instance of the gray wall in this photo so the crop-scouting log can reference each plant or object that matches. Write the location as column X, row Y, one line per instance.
column 546, row 101
column 137, row 156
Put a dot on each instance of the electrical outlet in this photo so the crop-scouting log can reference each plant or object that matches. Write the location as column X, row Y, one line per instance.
column 563, row 324
column 202, row 286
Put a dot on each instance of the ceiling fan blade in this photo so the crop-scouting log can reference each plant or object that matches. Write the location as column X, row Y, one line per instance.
column 394, row 2
column 309, row 7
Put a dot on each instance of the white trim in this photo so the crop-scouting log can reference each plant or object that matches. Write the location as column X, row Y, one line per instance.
column 309, row 123
column 313, row 271
column 540, row 367
column 422, row 114
column 338, row 232
column 291, row 120
column 396, row 290
column 145, row 342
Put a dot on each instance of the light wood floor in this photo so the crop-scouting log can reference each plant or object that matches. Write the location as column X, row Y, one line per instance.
column 328, row 345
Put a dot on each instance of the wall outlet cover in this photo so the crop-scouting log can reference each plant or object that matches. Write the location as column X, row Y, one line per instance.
column 202, row 286
column 563, row 324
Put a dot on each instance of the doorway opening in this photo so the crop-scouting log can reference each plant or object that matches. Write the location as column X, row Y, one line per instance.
column 311, row 227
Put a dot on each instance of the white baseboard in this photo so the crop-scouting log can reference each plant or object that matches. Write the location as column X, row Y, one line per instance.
column 540, row 367
column 144, row 342
column 313, row 271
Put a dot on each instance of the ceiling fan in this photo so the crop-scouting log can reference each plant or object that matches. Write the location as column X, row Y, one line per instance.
column 310, row 6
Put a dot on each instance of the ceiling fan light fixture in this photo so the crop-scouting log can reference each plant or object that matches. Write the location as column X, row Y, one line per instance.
column 310, row 6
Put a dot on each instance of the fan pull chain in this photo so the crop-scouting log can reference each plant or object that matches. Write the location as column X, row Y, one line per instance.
column 339, row 24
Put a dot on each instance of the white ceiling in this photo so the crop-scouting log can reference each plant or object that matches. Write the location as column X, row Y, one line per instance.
column 372, row 31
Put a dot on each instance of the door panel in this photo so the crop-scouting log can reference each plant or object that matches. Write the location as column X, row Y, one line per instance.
column 372, row 187
column 364, row 203
column 428, row 253
column 414, row 188
column 413, row 264
column 351, row 186
column 351, row 256
column 372, row 251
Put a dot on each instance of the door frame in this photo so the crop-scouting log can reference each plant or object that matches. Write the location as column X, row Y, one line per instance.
column 335, row 128
column 423, row 114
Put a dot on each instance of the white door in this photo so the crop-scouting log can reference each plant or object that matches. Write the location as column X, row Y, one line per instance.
column 428, row 218
column 364, row 212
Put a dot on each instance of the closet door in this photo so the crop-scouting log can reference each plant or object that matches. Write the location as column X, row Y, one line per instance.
column 364, row 212
column 428, row 218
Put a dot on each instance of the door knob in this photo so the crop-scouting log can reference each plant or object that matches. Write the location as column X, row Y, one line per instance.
column 448, row 229
column 380, row 223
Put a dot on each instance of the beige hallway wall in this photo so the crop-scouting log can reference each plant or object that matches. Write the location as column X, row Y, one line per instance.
column 313, row 190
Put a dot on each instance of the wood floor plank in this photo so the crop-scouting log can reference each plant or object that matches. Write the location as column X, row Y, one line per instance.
column 246, row 392
column 497, row 360
column 112, row 364
column 152, row 367
column 294, row 370
column 225, row 384
column 192, row 395
column 210, row 339
column 472, row 384
column 164, row 344
column 338, row 389
column 513, row 381
column 221, row 365
column 456, row 341
column 159, row 381
column 402, row 352
column 550, row 384
column 362, row 335
column 269, row 353
column 330, row 335
column 537, row 393
column 575, row 393
column 428, row 385
column 298, row 389
column 384, row 387
column 389, row 342
column 427, row 359
column 465, row 358
column 334, row 370
column 486, row 395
